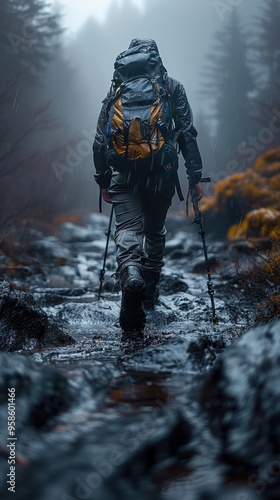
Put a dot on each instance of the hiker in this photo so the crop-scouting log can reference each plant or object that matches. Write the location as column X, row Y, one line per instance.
column 145, row 114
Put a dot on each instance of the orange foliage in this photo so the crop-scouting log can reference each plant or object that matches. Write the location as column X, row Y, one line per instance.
column 247, row 206
column 258, row 223
column 254, row 194
column 77, row 218
column 272, row 269
column 270, row 310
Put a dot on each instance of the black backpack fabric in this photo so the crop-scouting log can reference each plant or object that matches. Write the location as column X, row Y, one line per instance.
column 139, row 107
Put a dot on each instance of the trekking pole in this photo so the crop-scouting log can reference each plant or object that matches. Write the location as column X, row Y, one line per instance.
column 199, row 220
column 102, row 271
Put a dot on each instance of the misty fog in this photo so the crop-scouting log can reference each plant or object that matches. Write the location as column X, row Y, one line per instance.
column 78, row 75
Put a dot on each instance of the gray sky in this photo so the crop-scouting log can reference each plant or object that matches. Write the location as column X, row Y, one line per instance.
column 76, row 12
column 183, row 30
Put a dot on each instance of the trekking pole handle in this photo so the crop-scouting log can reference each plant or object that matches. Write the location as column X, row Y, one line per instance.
column 197, row 212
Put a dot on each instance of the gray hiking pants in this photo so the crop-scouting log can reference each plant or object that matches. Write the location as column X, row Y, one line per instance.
column 140, row 206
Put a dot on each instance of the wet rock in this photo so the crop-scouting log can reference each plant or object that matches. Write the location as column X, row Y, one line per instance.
column 41, row 392
column 95, row 247
column 124, row 458
column 199, row 264
column 68, row 272
column 91, row 247
column 47, row 295
column 169, row 444
column 229, row 493
column 172, row 283
column 20, row 318
column 204, row 350
column 220, row 247
column 98, row 221
column 177, row 254
column 55, row 336
column 198, row 308
column 174, row 244
column 95, row 313
column 170, row 356
column 23, row 324
column 132, row 467
column 50, row 249
column 193, row 245
column 72, row 233
column 88, row 236
column 184, row 301
column 242, row 399
column 176, row 355
column 174, row 223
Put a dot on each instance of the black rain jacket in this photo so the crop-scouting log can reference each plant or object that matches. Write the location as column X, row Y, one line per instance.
column 181, row 122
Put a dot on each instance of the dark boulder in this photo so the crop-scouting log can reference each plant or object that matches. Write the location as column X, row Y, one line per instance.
column 129, row 459
column 41, row 392
column 229, row 493
column 97, row 469
column 172, row 283
column 55, row 336
column 241, row 396
column 173, row 244
column 198, row 264
column 49, row 249
column 23, row 324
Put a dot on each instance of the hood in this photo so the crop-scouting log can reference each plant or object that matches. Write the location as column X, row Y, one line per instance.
column 148, row 42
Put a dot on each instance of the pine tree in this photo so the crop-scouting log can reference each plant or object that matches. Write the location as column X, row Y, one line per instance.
column 28, row 38
column 228, row 82
column 266, row 52
column 265, row 59
column 29, row 32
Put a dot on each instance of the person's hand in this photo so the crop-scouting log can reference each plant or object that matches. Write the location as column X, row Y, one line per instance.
column 197, row 191
column 105, row 195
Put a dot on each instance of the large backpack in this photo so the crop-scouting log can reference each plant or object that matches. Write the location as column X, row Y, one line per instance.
column 138, row 108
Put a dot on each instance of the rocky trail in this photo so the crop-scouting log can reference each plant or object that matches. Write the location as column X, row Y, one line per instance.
column 190, row 410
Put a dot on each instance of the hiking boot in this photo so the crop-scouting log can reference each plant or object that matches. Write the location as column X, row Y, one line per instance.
column 132, row 314
column 152, row 295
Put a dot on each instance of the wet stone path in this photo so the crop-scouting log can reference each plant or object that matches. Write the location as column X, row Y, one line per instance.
column 109, row 417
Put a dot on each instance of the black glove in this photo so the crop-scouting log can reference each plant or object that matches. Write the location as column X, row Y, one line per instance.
column 103, row 179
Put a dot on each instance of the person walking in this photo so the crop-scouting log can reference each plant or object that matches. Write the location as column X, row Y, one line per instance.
column 144, row 115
